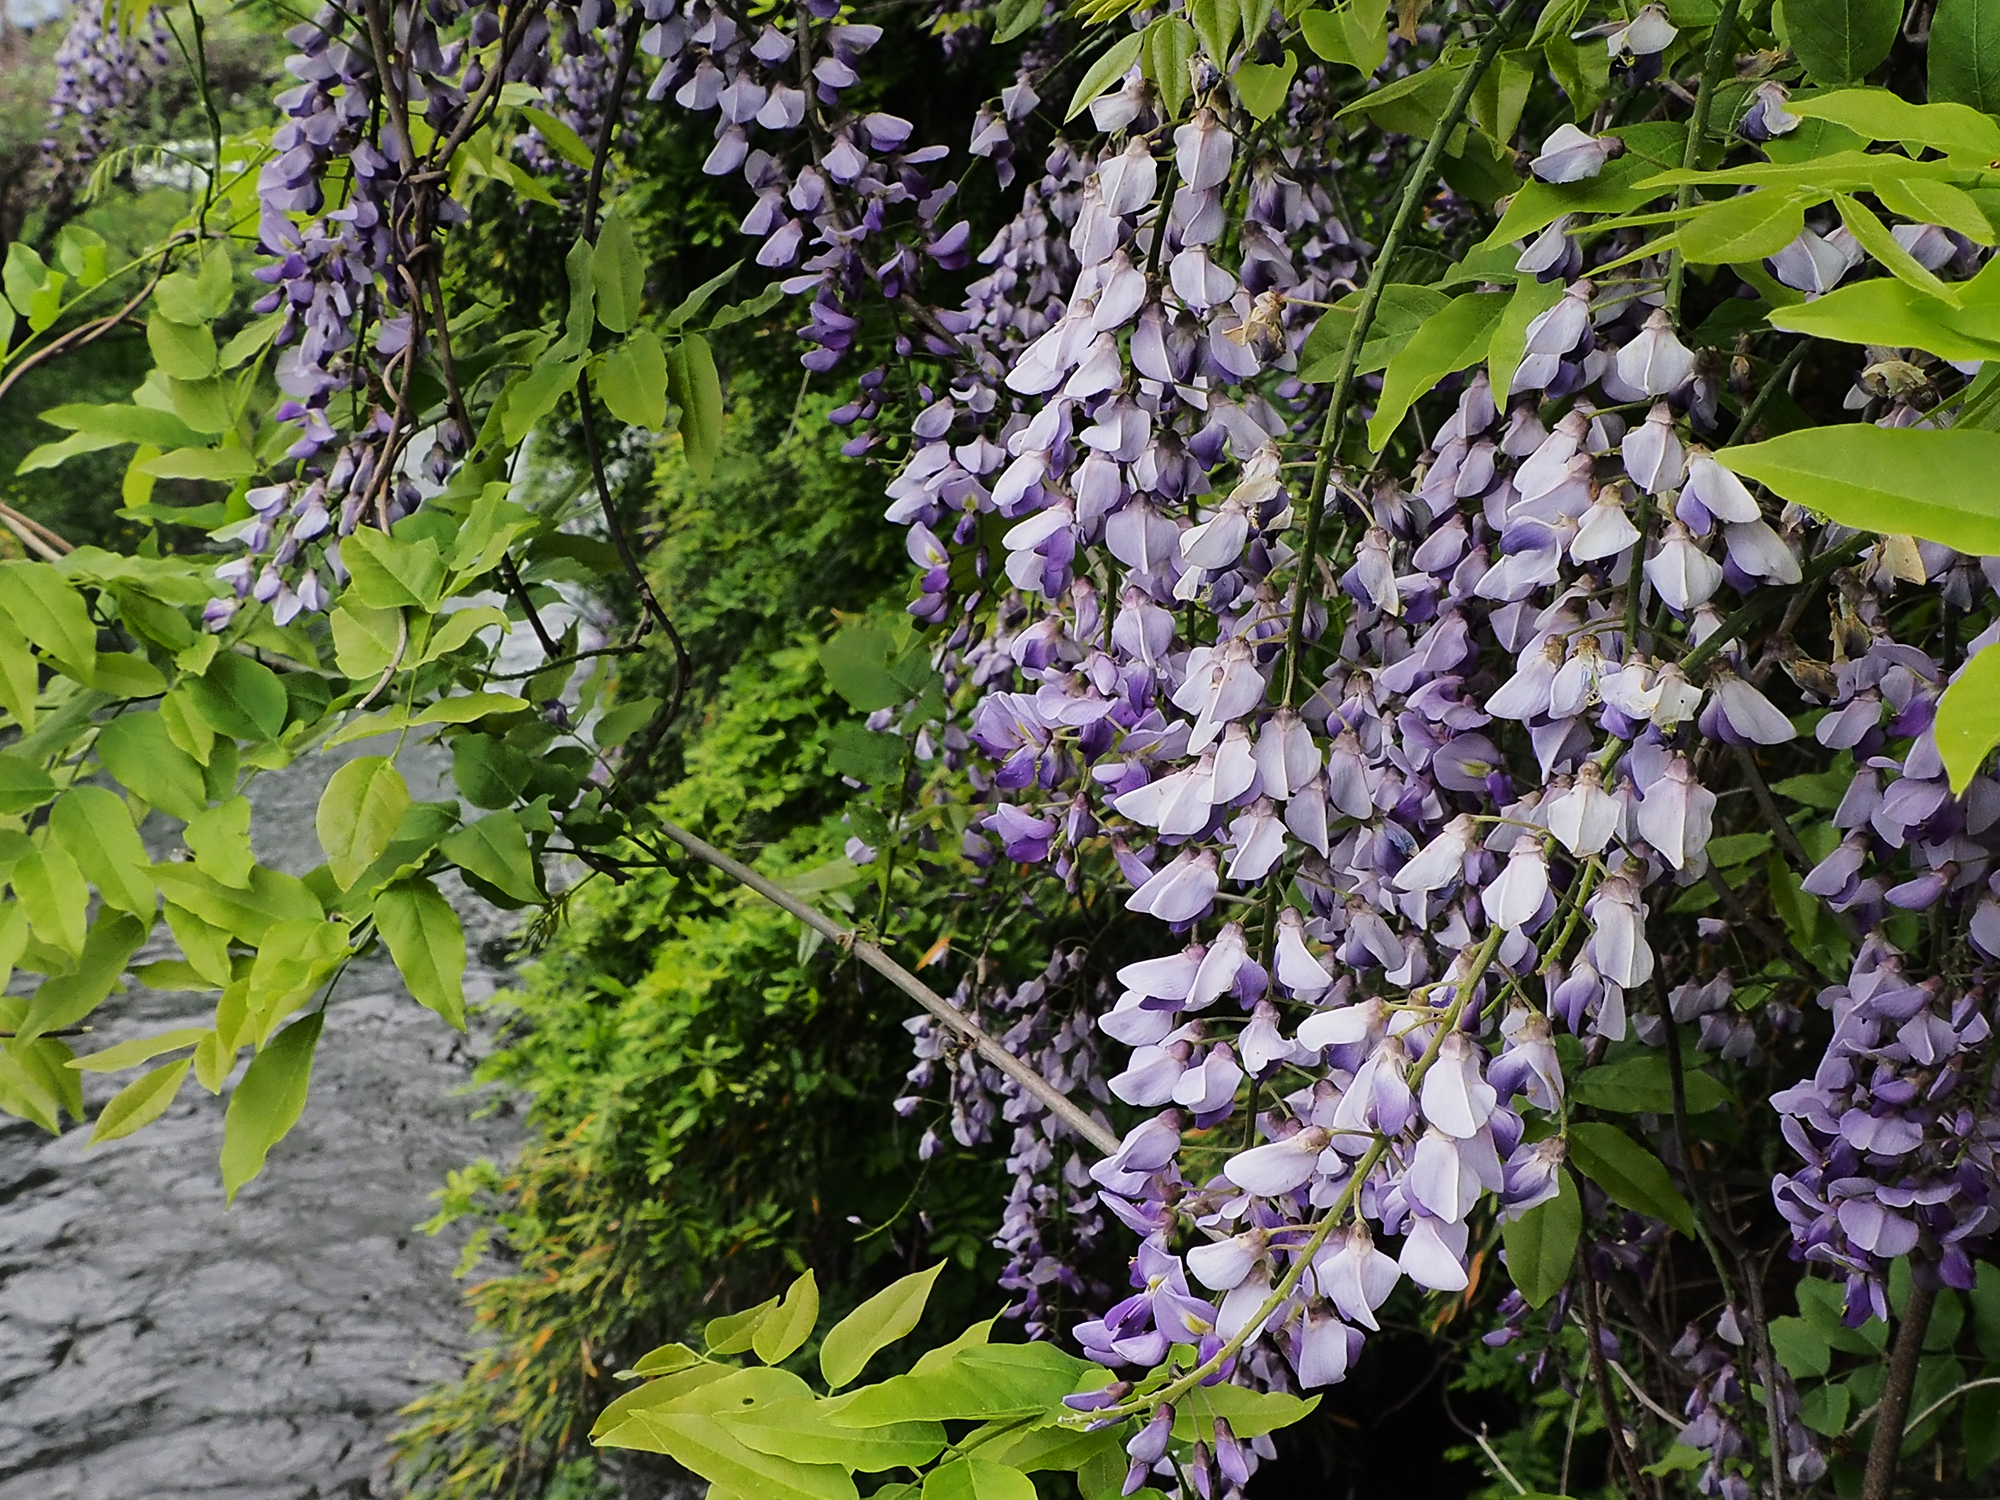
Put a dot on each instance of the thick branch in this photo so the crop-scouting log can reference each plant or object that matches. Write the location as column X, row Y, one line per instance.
column 1045, row 1093
column 1887, row 1443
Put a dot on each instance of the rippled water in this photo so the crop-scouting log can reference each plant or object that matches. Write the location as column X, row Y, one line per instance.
column 154, row 1345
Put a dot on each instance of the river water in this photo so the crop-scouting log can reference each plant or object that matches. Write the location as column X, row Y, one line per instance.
column 154, row 1345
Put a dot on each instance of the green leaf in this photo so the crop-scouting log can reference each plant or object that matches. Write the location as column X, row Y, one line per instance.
column 1400, row 312
column 267, row 1103
column 463, row 709
column 1631, row 1174
column 1644, row 1084
column 129, row 1054
column 1529, row 301
column 619, row 724
column 25, row 275
column 1016, row 18
column 137, row 750
column 227, row 464
column 1747, row 227
column 697, row 391
column 1356, row 34
column 252, row 339
column 1896, row 315
column 241, row 697
column 1824, row 1409
column 780, row 1333
column 633, row 381
column 186, row 353
column 81, row 251
column 1250, row 1414
column 140, row 1102
column 1935, row 485
column 1928, row 201
column 975, row 1478
column 364, row 638
column 617, row 274
column 856, row 750
column 1106, row 72
column 391, row 573
column 1968, row 719
column 732, row 1333
column 51, row 891
column 980, row 1383
column 24, row 786
column 1411, row 105
column 873, row 1326
column 802, row 1432
column 1170, row 46
column 701, row 1443
column 692, row 304
column 95, row 826
column 1880, row 115
column 428, row 944
column 459, row 628
column 534, row 395
column 1842, row 41
column 1964, row 54
column 855, row 660
column 490, row 773
column 1262, row 87
column 562, row 140
column 1799, row 1348
column 1872, row 235
column 126, row 424
column 1456, row 335
column 667, row 1360
column 359, row 813
column 1679, row 1459
column 496, row 850
column 1541, row 1245
column 249, row 913
column 68, row 998
column 50, row 613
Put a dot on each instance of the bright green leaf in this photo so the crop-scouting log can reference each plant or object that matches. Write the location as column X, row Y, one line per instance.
column 873, row 1326
column 140, row 1102
column 732, row 1333
column 975, row 1478
column 95, row 826
column 1106, row 72
column 66, row 999
column 129, row 1054
column 220, row 841
column 801, row 1431
column 247, row 914
column 390, row 573
column 24, row 786
column 359, row 813
column 52, row 892
column 428, row 944
column 50, row 612
column 1356, row 34
column 697, row 391
column 240, row 697
column 1455, row 336
column 137, row 750
column 267, row 1103
column 632, row 380
column 701, row 1443
column 617, row 274
column 1968, row 719
column 780, row 1333
column 1799, row 1348
column 1747, row 227
column 1936, row 485
column 1644, row 1084
column 1263, row 86
column 495, row 849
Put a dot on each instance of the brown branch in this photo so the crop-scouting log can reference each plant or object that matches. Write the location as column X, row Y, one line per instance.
column 1607, row 1398
column 1051, row 1098
column 88, row 333
column 1886, row 1444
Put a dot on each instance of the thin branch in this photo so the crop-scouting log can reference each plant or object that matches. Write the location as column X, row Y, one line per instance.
column 90, row 333
column 1045, row 1093
column 1719, row 43
column 1771, row 387
column 17, row 523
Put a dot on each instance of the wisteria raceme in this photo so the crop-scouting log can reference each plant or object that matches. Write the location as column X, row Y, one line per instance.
column 1482, row 803
column 101, row 72
column 1052, row 1221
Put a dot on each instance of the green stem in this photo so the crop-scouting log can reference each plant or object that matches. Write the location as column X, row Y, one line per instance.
column 1364, row 319
column 1778, row 379
column 1704, row 100
column 1447, row 1022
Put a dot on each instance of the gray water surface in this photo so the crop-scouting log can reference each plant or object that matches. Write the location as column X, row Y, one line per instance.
column 153, row 1344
